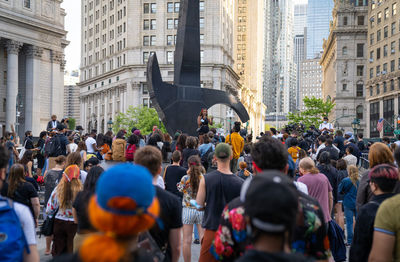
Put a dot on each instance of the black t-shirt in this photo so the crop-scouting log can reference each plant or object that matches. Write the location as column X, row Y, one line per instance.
column 188, row 152
column 171, row 218
column 25, row 191
column 339, row 141
column 254, row 256
column 173, row 175
column 220, row 190
column 81, row 204
column 29, row 143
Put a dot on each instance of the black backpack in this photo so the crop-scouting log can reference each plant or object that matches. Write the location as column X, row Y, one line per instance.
column 55, row 147
column 204, row 158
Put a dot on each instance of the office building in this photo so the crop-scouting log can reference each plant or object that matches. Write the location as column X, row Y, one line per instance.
column 71, row 95
column 249, row 50
column 383, row 85
column 310, row 80
column 32, row 42
column 299, row 28
column 279, row 67
column 118, row 38
column 319, row 16
column 344, row 63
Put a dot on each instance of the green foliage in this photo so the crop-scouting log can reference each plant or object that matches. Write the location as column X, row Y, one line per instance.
column 215, row 124
column 143, row 118
column 315, row 110
column 71, row 123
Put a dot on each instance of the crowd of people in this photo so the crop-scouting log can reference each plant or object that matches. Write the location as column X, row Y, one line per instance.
column 288, row 195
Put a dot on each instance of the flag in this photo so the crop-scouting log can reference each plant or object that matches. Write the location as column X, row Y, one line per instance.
column 379, row 126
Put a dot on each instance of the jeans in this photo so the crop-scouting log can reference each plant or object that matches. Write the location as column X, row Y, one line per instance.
column 349, row 213
column 233, row 165
column 196, row 232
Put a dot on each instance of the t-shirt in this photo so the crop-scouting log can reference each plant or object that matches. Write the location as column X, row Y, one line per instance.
column 90, row 141
column 205, row 147
column 29, row 143
column 173, row 175
column 339, row 142
column 81, row 204
column 50, row 182
column 220, row 190
column 388, row 221
column 188, row 152
column 325, row 125
column 171, row 218
column 23, row 195
column 319, row 187
column 350, row 160
column 185, row 187
column 72, row 147
column 255, row 256
column 26, row 220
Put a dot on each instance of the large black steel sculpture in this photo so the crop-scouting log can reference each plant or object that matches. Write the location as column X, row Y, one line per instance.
column 178, row 105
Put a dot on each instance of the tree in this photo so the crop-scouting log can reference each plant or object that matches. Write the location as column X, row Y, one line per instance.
column 315, row 110
column 143, row 118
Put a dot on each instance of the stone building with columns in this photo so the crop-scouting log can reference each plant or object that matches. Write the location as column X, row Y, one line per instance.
column 117, row 39
column 32, row 42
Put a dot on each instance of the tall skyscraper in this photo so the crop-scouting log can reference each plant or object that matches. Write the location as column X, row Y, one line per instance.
column 279, row 67
column 118, row 38
column 319, row 15
column 299, row 28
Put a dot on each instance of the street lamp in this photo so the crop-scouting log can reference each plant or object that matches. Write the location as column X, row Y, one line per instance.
column 355, row 125
column 109, row 124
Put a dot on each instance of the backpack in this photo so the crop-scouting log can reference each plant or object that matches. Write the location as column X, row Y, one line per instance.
column 55, row 147
column 12, row 237
column 130, row 151
column 204, row 158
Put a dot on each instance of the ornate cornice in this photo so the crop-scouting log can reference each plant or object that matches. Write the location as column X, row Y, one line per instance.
column 382, row 78
column 34, row 52
column 57, row 57
column 13, row 47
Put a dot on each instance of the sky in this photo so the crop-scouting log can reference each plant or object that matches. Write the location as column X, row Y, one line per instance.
column 73, row 26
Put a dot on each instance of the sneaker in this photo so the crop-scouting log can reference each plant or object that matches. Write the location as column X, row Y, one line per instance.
column 196, row 241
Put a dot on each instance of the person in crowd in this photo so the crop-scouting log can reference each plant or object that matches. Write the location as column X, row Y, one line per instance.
column 271, row 220
column 216, row 189
column 119, row 147
column 23, row 215
column 133, row 144
column 350, row 159
column 243, row 173
column 386, row 141
column 107, row 152
column 82, row 150
column 127, row 189
column 203, row 122
column 325, row 167
column 339, row 141
column 27, row 162
column 348, row 187
column 23, row 192
column 60, row 205
column 294, row 150
column 80, row 207
column 181, row 142
column 379, row 153
column 91, row 144
column 174, row 140
column 333, row 152
column 71, row 147
column 189, row 151
column 318, row 186
column 302, row 154
column 155, row 140
column 40, row 156
column 383, row 179
column 57, row 145
column 173, row 174
column 393, row 147
column 360, row 144
column 28, row 143
column 75, row 159
column 356, row 151
column 326, row 126
column 77, row 134
column 189, row 186
column 53, row 123
column 320, row 145
column 237, row 143
column 12, row 150
column 341, row 167
column 167, row 238
column 51, row 179
column 92, row 162
column 166, row 149
column 386, row 238
column 142, row 143
column 207, row 146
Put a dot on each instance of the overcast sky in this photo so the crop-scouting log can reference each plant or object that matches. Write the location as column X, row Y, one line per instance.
column 73, row 26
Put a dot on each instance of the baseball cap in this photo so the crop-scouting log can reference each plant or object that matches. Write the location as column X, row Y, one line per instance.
column 223, row 151
column 271, row 202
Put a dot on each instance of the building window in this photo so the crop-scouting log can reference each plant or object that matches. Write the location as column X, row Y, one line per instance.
column 388, row 115
column 384, row 68
column 385, row 50
column 360, row 70
column 371, row 91
column 378, row 70
column 374, row 118
column 170, row 7
column 371, row 56
column 371, row 73
column 176, row 7
column 360, row 20
column 360, row 50
column 201, row 56
column 344, row 87
column 394, row 9
column 393, row 28
column 176, row 23
column 201, row 6
column 344, row 50
column 170, row 23
column 378, row 53
column 170, row 57
column 378, row 35
column 360, row 89
column 201, row 22
column 393, row 47
column 391, row 85
column 146, row 40
column 145, row 57
column 384, row 87
column 146, row 24
column 153, row 8
column 360, row 112
column 170, row 40
column 27, row 3
column 371, row 39
column 202, row 39
column 385, row 32
column 153, row 40
column 386, row 13
column 153, row 24
column 378, row 90
column 146, row 8
column 392, row 65
column 379, row 17
column 345, row 20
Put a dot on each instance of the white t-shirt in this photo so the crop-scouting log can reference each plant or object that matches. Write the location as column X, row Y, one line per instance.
column 301, row 187
column 72, row 147
column 83, row 175
column 327, row 126
column 89, row 144
column 160, row 182
column 26, row 220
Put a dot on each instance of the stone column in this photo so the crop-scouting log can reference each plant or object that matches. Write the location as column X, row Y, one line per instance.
column 105, row 111
column 82, row 112
column 98, row 113
column 113, row 94
column 32, row 91
column 136, row 94
column 13, row 48
column 57, row 88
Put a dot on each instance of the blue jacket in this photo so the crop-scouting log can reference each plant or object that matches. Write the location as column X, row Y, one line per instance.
column 349, row 191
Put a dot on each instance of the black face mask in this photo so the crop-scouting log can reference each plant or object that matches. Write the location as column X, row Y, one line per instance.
column 30, row 137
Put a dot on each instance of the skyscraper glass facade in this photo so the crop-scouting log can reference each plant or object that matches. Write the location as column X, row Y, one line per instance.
column 319, row 15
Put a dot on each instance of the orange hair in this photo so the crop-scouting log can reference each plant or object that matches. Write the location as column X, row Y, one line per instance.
column 380, row 153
